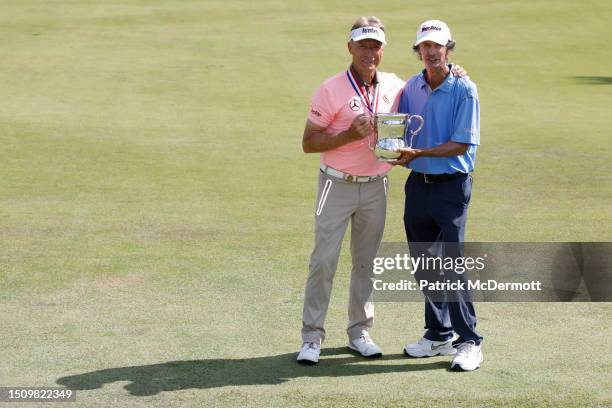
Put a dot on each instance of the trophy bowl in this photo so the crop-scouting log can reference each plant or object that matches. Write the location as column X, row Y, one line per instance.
column 390, row 129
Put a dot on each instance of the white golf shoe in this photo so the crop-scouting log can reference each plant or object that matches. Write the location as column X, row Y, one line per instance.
column 309, row 354
column 365, row 346
column 429, row 348
column 468, row 358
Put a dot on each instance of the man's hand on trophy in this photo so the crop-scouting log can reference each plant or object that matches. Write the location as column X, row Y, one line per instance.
column 361, row 127
column 407, row 155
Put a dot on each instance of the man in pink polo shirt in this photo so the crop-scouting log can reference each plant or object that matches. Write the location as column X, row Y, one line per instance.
column 352, row 186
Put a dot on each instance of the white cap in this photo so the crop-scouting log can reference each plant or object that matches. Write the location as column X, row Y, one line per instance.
column 433, row 30
column 363, row 33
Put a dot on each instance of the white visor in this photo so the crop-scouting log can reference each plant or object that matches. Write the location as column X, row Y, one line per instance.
column 363, row 33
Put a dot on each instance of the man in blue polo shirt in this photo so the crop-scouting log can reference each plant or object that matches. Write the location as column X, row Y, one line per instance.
column 439, row 187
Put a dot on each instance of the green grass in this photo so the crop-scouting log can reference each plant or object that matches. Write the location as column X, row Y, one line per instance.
column 156, row 208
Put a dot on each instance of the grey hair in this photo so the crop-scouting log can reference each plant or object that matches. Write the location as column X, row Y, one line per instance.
column 368, row 21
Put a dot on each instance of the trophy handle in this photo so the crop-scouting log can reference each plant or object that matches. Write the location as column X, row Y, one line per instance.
column 420, row 119
column 414, row 132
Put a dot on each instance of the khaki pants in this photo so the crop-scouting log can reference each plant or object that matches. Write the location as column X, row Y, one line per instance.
column 338, row 201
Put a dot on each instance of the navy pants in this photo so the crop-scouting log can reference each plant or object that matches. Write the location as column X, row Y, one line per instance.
column 436, row 213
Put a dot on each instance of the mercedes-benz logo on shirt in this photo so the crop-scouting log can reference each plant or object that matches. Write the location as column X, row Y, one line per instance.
column 354, row 104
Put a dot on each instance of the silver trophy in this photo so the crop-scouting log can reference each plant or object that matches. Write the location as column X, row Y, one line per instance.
column 391, row 128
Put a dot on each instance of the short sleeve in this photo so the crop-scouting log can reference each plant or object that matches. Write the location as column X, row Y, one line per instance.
column 321, row 107
column 467, row 117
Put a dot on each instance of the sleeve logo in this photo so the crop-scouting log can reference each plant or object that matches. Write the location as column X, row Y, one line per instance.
column 315, row 112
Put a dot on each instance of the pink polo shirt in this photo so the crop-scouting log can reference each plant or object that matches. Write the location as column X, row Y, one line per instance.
column 336, row 104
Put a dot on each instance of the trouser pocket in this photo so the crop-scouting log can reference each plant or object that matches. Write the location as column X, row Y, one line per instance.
column 386, row 184
column 323, row 196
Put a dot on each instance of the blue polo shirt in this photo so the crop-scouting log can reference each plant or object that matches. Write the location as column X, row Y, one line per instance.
column 451, row 112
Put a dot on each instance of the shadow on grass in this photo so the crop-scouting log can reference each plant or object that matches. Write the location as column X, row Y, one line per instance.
column 179, row 375
column 593, row 80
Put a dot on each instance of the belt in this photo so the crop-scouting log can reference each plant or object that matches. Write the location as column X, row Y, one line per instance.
column 349, row 177
column 436, row 178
